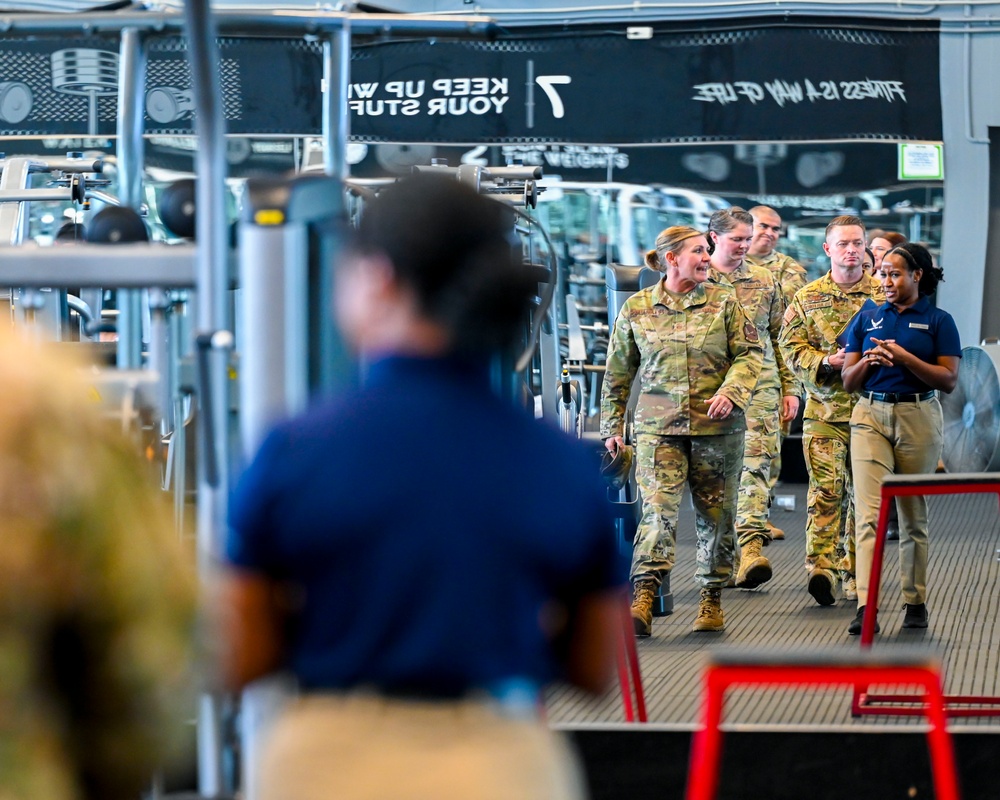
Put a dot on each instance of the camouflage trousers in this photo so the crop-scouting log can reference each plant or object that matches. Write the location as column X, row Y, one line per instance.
column 759, row 449
column 830, row 512
column 786, row 428
column 710, row 466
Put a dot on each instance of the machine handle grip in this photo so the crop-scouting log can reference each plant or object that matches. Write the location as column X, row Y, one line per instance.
column 205, row 343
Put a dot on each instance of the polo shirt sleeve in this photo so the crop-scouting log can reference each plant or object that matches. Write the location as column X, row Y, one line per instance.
column 853, row 338
column 948, row 342
column 249, row 543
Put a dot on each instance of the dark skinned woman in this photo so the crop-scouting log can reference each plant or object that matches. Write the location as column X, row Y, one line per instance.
column 899, row 356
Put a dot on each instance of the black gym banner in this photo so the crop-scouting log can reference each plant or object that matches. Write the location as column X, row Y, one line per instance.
column 769, row 81
column 759, row 82
column 68, row 87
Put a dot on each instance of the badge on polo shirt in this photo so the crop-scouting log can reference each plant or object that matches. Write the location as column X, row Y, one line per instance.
column 920, row 326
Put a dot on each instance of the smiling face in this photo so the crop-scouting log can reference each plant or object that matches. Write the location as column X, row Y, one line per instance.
column 766, row 230
column 902, row 286
column 731, row 247
column 689, row 266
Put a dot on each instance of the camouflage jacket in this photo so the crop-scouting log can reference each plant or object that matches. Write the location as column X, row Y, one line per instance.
column 685, row 350
column 819, row 314
column 97, row 598
column 789, row 274
column 763, row 302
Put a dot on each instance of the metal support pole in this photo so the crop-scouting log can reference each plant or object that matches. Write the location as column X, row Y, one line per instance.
column 131, row 84
column 336, row 120
column 159, row 357
column 329, row 359
column 212, row 316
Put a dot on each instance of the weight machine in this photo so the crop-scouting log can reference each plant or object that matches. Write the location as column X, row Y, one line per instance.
column 187, row 360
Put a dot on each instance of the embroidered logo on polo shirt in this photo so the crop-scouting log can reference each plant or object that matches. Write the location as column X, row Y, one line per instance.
column 876, row 324
column 920, row 325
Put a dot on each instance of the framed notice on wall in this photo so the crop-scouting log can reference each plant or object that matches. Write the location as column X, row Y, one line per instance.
column 921, row 162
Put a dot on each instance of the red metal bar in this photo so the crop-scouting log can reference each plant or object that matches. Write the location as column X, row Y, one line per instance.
column 871, row 607
column 627, row 636
column 706, row 748
column 632, row 656
column 939, row 743
column 862, row 701
column 954, row 698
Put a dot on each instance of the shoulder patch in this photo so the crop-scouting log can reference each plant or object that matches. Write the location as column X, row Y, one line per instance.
column 750, row 331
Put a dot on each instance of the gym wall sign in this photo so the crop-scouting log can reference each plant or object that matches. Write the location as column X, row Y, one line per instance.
column 773, row 81
column 769, row 81
column 68, row 86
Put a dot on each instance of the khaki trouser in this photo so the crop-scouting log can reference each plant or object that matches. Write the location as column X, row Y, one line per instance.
column 367, row 747
column 905, row 439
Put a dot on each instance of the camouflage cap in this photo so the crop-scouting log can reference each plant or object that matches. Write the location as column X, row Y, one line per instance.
column 616, row 467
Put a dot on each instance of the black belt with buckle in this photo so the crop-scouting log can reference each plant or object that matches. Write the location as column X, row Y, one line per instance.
column 894, row 397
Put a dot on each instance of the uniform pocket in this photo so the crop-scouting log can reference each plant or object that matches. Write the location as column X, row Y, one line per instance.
column 710, row 334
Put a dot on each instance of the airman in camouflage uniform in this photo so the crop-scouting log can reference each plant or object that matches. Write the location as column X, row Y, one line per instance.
column 790, row 277
column 818, row 315
column 97, row 603
column 697, row 357
column 730, row 231
column 789, row 274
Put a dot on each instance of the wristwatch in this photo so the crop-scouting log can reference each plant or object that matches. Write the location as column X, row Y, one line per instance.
column 825, row 368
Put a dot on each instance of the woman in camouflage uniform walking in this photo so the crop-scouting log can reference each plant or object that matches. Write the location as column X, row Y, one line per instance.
column 697, row 356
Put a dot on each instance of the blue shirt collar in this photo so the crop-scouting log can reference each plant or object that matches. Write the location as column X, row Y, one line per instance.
column 920, row 307
column 467, row 368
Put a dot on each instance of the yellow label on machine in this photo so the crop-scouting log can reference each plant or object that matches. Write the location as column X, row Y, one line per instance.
column 269, row 216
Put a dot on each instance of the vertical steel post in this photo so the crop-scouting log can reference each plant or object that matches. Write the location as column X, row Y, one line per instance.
column 329, row 354
column 336, row 80
column 131, row 86
column 211, row 316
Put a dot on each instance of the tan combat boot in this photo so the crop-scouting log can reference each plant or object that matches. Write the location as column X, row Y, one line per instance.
column 755, row 569
column 776, row 533
column 710, row 612
column 642, row 606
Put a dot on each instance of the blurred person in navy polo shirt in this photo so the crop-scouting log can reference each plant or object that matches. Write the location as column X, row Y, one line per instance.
column 422, row 556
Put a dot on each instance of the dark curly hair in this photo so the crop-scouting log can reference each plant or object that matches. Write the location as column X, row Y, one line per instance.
column 916, row 256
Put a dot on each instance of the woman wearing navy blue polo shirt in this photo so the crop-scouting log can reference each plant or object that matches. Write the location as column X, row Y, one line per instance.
column 422, row 588
column 898, row 356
